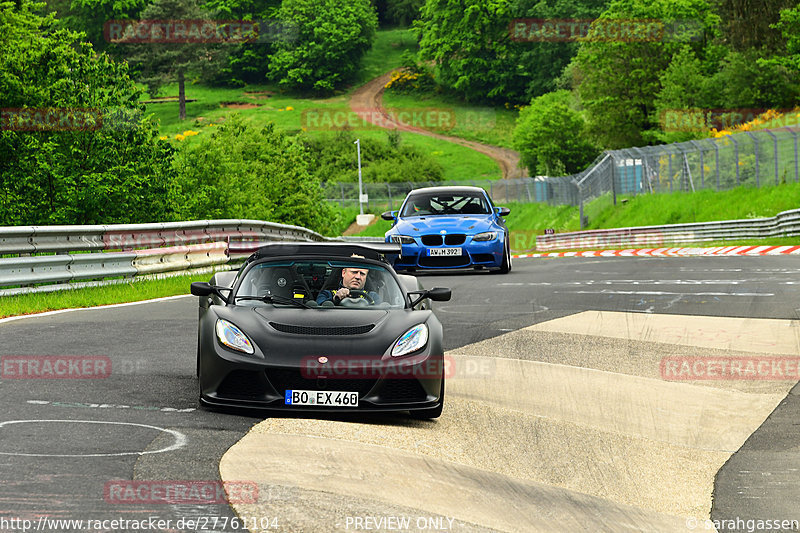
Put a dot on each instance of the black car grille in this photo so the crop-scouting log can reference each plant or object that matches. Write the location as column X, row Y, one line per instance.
column 454, row 239
column 452, row 261
column 322, row 330
column 243, row 385
column 482, row 258
column 402, row 391
column 284, row 380
column 451, row 240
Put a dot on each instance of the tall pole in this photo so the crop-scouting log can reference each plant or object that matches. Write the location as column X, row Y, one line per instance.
column 358, row 149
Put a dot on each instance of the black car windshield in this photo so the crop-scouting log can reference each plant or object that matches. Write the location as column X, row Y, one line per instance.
column 432, row 204
column 312, row 283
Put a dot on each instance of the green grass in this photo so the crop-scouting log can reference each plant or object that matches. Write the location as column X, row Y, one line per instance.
column 488, row 125
column 386, row 53
column 702, row 206
column 134, row 291
column 530, row 219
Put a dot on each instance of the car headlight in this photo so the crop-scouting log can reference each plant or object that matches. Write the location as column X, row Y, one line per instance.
column 233, row 338
column 485, row 236
column 412, row 340
column 401, row 239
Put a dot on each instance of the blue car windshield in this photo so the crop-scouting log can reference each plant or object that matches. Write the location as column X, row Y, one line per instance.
column 311, row 283
column 433, row 204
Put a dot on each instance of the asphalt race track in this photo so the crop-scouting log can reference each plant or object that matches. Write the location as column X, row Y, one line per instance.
column 561, row 415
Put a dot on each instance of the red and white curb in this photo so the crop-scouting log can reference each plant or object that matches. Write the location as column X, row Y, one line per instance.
column 674, row 252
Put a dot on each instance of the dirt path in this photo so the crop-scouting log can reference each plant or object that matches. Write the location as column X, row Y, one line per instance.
column 367, row 102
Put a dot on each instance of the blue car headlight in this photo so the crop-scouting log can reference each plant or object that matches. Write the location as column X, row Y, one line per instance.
column 412, row 340
column 485, row 236
column 401, row 239
column 232, row 337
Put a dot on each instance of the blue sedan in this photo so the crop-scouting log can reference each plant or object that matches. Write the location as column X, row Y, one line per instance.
column 450, row 228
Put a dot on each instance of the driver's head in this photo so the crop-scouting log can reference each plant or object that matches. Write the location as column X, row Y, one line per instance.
column 354, row 278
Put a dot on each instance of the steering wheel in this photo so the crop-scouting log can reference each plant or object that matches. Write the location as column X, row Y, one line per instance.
column 358, row 293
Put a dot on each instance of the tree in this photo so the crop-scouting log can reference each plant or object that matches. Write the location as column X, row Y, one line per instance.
column 246, row 171
column 749, row 23
column 469, row 43
column 478, row 54
column 248, row 62
column 617, row 79
column 92, row 16
column 160, row 61
column 331, row 38
column 74, row 146
column 551, row 136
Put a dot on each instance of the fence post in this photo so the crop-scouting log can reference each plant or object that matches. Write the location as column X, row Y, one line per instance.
column 613, row 180
column 794, row 134
column 755, row 151
column 702, row 170
column 774, row 152
column 735, row 157
column 669, row 170
column 716, row 161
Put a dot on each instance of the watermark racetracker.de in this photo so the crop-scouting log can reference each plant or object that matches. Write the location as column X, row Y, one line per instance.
column 604, row 30
column 55, row 367
column 197, row 31
column 424, row 118
column 63, row 119
column 759, row 368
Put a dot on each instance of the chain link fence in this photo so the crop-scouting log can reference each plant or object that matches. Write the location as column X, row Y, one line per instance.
column 757, row 159
column 388, row 196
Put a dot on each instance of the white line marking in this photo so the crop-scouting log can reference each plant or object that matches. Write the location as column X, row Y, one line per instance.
column 180, row 439
column 660, row 293
column 109, row 306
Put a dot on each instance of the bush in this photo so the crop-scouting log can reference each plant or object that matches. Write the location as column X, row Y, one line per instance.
column 551, row 136
column 78, row 170
column 244, row 171
column 335, row 159
column 325, row 52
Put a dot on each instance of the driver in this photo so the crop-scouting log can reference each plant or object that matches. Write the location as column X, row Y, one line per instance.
column 353, row 279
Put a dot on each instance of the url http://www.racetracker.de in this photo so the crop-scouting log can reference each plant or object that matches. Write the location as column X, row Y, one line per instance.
column 151, row 523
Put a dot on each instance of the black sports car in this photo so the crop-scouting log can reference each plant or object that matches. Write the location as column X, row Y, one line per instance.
column 320, row 326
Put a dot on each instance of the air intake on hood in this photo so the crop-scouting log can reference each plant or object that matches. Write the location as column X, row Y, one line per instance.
column 322, row 330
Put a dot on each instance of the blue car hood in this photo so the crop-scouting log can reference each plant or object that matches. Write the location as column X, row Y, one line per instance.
column 468, row 224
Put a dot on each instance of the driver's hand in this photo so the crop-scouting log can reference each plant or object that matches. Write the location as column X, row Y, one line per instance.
column 344, row 292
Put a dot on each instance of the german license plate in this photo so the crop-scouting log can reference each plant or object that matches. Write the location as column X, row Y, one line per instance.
column 321, row 398
column 444, row 251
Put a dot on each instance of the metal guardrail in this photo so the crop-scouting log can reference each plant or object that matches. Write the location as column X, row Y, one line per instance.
column 129, row 250
column 785, row 224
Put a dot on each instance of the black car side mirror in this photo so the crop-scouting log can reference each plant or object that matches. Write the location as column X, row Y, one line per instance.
column 503, row 211
column 203, row 288
column 437, row 294
column 388, row 215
